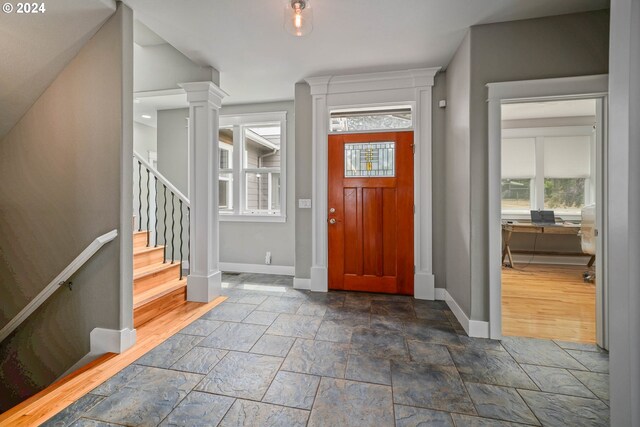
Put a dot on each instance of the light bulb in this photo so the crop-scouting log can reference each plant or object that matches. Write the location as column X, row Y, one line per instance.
column 298, row 17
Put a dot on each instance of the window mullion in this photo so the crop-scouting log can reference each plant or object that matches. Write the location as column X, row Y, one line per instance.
column 237, row 165
column 539, row 178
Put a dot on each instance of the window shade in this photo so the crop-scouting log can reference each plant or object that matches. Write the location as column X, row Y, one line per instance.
column 518, row 158
column 567, row 157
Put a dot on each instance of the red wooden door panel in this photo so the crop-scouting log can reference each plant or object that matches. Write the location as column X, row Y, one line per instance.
column 371, row 217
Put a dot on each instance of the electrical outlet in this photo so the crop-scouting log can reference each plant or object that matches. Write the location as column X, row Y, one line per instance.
column 267, row 258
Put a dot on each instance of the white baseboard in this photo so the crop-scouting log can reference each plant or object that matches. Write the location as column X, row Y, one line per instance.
column 441, row 294
column 524, row 259
column 301, row 283
column 111, row 340
column 258, row 268
column 424, row 286
column 473, row 328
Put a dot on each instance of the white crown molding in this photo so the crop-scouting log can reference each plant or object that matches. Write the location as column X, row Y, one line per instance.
column 388, row 80
column 204, row 92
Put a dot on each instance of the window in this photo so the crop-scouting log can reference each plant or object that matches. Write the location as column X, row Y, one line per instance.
column 547, row 172
column 225, row 184
column 516, row 195
column 397, row 117
column 252, row 153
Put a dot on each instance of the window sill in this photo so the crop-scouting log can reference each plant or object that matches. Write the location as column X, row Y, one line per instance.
column 252, row 218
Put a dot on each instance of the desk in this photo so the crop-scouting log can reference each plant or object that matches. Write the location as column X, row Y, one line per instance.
column 524, row 227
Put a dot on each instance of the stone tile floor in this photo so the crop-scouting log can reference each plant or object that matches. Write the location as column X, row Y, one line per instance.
column 274, row 356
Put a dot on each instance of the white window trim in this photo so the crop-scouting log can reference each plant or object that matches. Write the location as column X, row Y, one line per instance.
column 236, row 121
column 537, row 181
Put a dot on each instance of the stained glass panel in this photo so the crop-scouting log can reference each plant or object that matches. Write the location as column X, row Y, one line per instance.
column 369, row 159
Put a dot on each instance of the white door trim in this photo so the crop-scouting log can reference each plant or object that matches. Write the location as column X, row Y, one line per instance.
column 519, row 91
column 408, row 87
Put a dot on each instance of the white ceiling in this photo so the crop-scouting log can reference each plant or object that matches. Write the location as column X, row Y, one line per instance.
column 549, row 109
column 258, row 61
column 35, row 48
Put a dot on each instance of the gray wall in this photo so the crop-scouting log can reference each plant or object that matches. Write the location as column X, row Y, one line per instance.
column 61, row 172
column 162, row 66
column 303, row 181
column 559, row 46
column 247, row 242
column 144, row 139
column 457, row 177
column 623, row 243
column 172, row 137
column 439, row 195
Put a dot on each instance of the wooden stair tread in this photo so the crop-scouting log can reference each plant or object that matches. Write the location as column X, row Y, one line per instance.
column 142, row 298
column 136, row 233
column 147, row 249
column 153, row 269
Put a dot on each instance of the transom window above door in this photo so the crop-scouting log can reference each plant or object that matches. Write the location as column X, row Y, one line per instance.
column 252, row 151
column 371, row 119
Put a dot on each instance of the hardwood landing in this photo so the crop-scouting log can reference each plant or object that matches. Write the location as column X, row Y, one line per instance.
column 44, row 405
column 548, row 301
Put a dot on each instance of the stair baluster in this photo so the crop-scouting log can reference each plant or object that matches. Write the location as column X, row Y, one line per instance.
column 164, row 259
column 181, row 233
column 148, row 206
column 173, row 225
column 155, row 195
column 139, row 196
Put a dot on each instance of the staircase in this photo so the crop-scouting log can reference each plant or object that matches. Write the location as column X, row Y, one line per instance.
column 159, row 284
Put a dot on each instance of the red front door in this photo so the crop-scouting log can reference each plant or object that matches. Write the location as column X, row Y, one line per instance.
column 371, row 212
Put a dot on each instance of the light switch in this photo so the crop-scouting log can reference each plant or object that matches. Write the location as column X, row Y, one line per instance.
column 304, row 203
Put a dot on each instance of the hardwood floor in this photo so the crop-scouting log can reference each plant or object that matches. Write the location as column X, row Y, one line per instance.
column 548, row 301
column 59, row 395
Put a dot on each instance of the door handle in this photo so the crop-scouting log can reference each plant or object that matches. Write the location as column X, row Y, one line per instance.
column 332, row 221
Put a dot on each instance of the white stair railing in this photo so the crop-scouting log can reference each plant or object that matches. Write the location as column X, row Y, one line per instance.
column 58, row 281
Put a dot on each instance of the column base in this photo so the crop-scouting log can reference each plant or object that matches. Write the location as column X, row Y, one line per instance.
column 204, row 288
column 319, row 282
column 424, row 286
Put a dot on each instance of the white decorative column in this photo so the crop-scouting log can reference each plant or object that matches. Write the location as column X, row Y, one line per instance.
column 319, row 123
column 424, row 280
column 205, row 100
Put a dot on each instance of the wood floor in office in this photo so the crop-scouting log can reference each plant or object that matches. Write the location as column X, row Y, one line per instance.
column 548, row 301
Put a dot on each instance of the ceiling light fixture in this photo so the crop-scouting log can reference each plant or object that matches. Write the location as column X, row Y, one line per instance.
column 146, row 116
column 298, row 17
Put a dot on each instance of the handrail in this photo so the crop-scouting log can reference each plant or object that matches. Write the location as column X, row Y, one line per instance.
column 162, row 179
column 58, row 281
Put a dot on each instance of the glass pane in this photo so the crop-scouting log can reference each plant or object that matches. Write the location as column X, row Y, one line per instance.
column 516, row 194
column 564, row 195
column 262, row 192
column 369, row 159
column 388, row 118
column 225, row 142
column 262, row 146
column 225, row 191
